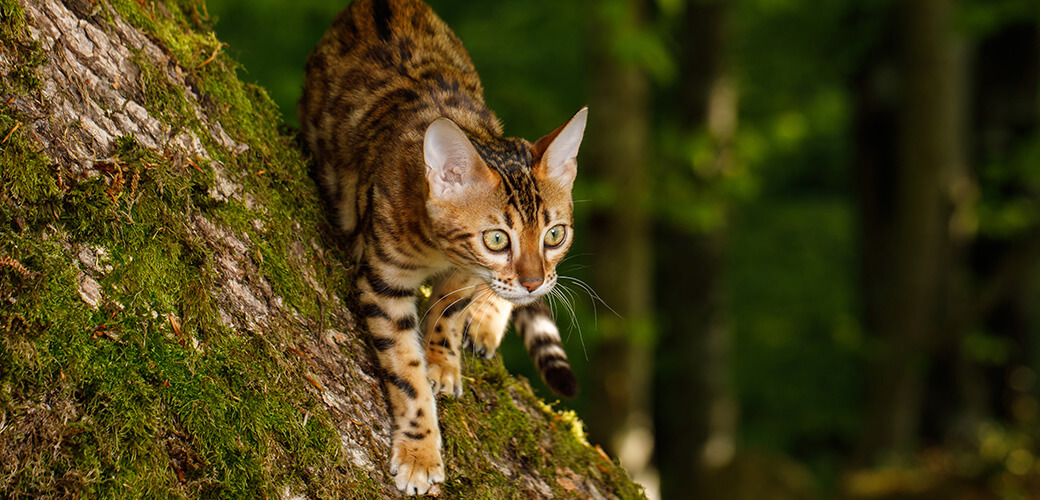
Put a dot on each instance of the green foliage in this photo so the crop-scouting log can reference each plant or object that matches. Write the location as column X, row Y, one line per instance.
column 798, row 350
column 984, row 17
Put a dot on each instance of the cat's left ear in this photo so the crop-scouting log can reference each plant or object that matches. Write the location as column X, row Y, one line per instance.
column 559, row 150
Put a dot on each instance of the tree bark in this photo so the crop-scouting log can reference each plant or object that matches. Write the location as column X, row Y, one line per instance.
column 173, row 301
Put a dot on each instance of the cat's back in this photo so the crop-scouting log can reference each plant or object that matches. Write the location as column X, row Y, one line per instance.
column 383, row 71
column 394, row 56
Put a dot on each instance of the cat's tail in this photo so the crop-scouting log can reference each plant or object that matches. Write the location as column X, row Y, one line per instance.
column 542, row 340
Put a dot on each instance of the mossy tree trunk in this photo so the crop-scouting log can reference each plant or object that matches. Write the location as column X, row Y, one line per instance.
column 173, row 302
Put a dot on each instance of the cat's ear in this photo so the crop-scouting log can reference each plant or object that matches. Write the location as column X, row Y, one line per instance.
column 452, row 163
column 559, row 149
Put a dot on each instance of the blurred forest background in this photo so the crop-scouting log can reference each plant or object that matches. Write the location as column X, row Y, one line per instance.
column 818, row 223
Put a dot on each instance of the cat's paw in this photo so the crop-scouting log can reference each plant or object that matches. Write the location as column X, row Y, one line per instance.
column 485, row 327
column 416, row 464
column 444, row 373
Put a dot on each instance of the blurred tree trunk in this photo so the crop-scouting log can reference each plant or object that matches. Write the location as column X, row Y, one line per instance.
column 617, row 157
column 694, row 412
column 1005, row 125
column 906, row 182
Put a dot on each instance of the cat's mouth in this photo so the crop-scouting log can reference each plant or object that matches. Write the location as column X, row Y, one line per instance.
column 521, row 297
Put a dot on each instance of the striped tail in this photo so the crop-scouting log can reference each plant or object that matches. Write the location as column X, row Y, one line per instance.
column 542, row 340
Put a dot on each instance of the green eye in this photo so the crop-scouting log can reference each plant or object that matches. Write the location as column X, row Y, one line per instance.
column 555, row 235
column 496, row 240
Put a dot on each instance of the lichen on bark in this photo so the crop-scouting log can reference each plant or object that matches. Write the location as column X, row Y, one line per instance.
column 174, row 315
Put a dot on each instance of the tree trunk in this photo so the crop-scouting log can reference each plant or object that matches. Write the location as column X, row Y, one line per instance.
column 695, row 412
column 173, row 301
column 906, row 181
column 617, row 155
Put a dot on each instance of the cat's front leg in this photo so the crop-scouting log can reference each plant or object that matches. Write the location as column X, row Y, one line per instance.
column 445, row 320
column 486, row 324
column 388, row 305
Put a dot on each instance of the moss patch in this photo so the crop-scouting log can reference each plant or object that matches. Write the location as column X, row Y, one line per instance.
column 26, row 54
column 118, row 378
column 486, row 434
column 165, row 399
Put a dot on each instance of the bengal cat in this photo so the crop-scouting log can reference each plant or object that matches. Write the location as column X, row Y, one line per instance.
column 418, row 172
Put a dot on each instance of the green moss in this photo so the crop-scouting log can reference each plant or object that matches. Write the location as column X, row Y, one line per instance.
column 26, row 175
column 486, row 426
column 26, row 55
column 12, row 20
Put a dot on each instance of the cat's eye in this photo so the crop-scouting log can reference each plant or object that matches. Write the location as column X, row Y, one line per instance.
column 555, row 235
column 496, row 240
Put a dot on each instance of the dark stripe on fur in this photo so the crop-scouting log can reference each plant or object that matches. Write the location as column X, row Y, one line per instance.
column 456, row 307
column 381, row 15
column 545, row 361
column 414, row 435
column 383, row 255
column 543, row 342
column 406, row 323
column 402, row 384
column 383, row 288
column 383, row 343
column 512, row 160
column 373, row 311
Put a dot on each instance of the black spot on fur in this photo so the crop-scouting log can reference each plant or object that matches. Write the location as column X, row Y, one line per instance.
column 415, row 435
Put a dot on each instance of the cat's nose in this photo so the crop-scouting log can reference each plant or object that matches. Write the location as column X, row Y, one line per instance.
column 532, row 285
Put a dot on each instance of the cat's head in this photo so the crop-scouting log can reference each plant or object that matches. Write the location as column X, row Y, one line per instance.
column 503, row 209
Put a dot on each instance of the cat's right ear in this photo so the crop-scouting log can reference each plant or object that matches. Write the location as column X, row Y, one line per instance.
column 559, row 150
column 452, row 163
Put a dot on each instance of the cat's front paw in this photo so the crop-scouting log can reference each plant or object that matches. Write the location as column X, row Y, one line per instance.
column 444, row 373
column 416, row 463
column 485, row 327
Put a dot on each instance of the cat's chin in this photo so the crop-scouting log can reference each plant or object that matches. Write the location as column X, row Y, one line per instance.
column 519, row 299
